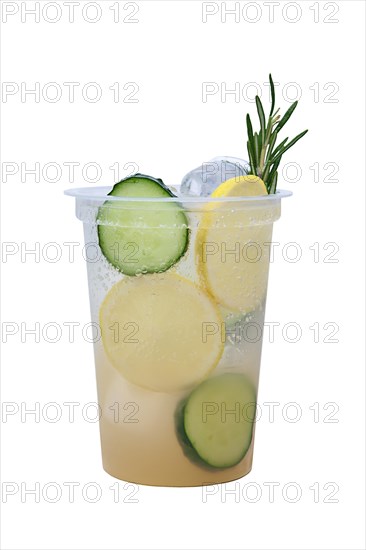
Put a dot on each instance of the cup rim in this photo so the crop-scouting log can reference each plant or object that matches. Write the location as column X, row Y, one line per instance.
column 98, row 194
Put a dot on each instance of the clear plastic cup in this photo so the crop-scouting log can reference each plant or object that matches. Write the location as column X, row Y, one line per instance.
column 178, row 352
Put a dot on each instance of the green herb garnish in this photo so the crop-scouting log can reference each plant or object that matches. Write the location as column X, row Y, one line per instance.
column 263, row 158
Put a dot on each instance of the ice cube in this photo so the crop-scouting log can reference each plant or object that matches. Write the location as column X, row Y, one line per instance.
column 204, row 179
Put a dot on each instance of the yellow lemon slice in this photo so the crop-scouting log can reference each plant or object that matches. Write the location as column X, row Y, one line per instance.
column 242, row 186
column 233, row 245
column 161, row 331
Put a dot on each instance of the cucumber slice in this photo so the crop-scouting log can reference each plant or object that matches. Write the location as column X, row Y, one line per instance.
column 142, row 237
column 218, row 419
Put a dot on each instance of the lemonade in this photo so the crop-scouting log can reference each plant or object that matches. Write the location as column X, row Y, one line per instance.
column 178, row 360
column 179, row 290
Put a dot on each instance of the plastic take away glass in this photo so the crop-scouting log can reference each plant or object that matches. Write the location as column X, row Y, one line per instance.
column 177, row 290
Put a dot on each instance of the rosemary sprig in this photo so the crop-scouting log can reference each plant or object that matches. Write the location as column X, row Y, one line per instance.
column 263, row 158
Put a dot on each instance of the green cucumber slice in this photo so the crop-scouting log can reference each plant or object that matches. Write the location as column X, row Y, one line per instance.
column 218, row 419
column 142, row 237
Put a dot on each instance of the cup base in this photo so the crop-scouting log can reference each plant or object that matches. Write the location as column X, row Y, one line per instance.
column 193, row 476
column 142, row 481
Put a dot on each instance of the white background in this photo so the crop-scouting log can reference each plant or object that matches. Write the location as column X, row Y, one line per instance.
column 169, row 53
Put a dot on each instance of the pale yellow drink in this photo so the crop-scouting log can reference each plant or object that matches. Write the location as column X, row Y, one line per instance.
column 165, row 335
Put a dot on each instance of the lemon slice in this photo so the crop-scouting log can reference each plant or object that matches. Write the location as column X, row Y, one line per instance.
column 233, row 244
column 242, row 186
column 161, row 331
